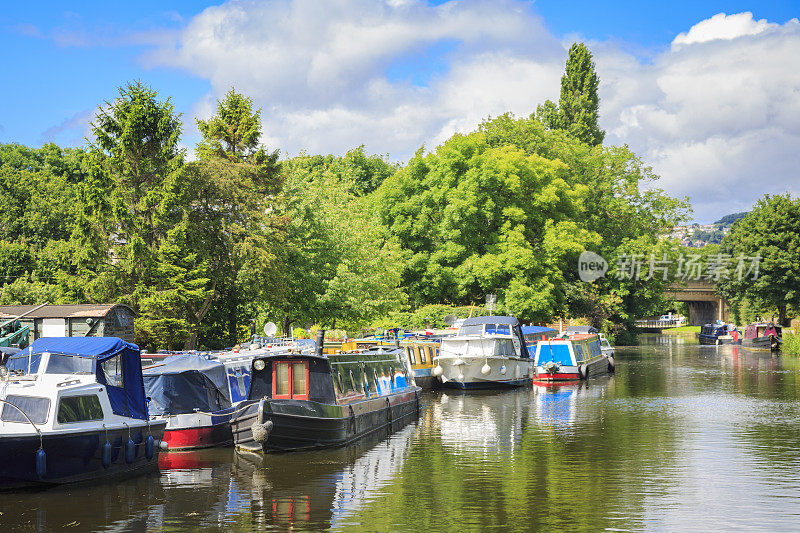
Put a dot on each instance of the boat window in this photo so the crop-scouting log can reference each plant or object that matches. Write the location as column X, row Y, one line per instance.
column 35, row 408
column 281, row 380
column 473, row 329
column 79, row 408
column 112, row 370
column 498, row 329
column 69, row 364
column 299, row 379
column 28, row 364
column 412, row 355
column 290, row 380
column 422, row 355
column 504, row 347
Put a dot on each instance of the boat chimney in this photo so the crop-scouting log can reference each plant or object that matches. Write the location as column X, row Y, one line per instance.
column 320, row 342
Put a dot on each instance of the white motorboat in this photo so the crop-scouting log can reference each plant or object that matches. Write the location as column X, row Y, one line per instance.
column 487, row 352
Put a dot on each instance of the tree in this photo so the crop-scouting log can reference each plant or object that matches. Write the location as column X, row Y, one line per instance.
column 234, row 132
column 579, row 105
column 771, row 232
column 140, row 169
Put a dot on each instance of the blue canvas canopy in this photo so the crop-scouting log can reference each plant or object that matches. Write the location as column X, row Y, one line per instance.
column 119, row 368
column 185, row 383
column 537, row 330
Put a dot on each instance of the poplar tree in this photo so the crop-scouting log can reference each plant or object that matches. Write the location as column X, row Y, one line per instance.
column 578, row 106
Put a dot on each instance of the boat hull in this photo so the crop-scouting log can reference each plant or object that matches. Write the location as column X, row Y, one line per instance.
column 469, row 373
column 73, row 457
column 192, row 431
column 303, row 425
column 598, row 367
column 762, row 343
column 424, row 379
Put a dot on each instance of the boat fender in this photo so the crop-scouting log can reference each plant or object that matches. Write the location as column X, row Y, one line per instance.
column 437, row 371
column 261, row 431
column 610, row 364
column 584, row 371
column 149, row 447
column 503, row 370
column 163, row 445
column 130, row 451
column 107, row 449
column 485, row 369
column 41, row 463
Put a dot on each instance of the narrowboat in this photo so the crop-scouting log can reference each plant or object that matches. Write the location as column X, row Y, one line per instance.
column 535, row 334
column 190, row 392
column 420, row 356
column 762, row 336
column 718, row 333
column 305, row 401
column 74, row 409
column 570, row 358
column 487, row 352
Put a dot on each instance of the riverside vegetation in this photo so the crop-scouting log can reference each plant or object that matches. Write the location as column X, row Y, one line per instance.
column 200, row 247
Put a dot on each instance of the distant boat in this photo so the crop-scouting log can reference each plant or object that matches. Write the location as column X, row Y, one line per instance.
column 303, row 401
column 762, row 336
column 190, row 392
column 487, row 352
column 605, row 346
column 719, row 333
column 74, row 409
column 421, row 355
column 571, row 358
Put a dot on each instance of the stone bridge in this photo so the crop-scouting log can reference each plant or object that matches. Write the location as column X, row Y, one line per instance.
column 704, row 304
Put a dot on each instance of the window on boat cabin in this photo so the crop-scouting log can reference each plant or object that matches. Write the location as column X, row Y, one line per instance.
column 290, row 379
column 504, row 347
column 473, row 329
column 79, row 409
column 498, row 329
column 29, row 364
column 422, row 355
column 69, row 364
column 36, row 409
column 578, row 348
column 112, row 370
column 412, row 355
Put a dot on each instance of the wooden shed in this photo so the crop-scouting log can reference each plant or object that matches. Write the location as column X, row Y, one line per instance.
column 76, row 320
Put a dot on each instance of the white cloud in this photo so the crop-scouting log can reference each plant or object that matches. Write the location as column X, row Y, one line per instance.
column 722, row 26
column 717, row 111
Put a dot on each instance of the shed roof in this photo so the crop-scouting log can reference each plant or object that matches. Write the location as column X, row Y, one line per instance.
column 60, row 311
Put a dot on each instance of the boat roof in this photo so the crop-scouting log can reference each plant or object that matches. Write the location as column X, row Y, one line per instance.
column 490, row 320
column 581, row 329
column 94, row 347
column 181, row 384
column 536, row 329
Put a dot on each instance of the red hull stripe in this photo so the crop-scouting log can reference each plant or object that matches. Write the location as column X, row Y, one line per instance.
column 556, row 377
column 195, row 437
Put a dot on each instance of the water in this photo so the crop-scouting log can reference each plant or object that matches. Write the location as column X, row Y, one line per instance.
column 682, row 437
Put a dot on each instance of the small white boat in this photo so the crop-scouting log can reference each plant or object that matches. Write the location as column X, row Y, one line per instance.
column 74, row 409
column 605, row 346
column 487, row 352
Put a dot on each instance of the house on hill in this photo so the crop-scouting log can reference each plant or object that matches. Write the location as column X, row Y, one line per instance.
column 75, row 320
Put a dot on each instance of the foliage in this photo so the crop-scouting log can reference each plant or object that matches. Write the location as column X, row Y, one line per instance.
column 770, row 231
column 791, row 343
column 728, row 220
column 578, row 106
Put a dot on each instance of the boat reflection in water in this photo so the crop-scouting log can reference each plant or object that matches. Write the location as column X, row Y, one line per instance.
column 318, row 489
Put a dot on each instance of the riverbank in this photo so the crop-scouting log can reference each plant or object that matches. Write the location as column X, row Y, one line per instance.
column 683, row 330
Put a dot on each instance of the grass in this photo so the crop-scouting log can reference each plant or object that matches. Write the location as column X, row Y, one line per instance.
column 683, row 330
column 791, row 343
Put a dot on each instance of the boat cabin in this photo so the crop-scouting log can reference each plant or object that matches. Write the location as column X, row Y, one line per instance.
column 572, row 351
column 338, row 378
column 185, row 384
column 58, row 382
column 760, row 330
column 503, row 333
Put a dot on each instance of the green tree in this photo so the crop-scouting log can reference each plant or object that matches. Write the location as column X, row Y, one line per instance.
column 771, row 231
column 579, row 105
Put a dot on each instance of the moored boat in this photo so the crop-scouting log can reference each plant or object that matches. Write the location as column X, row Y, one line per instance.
column 74, row 409
column 421, row 355
column 762, row 336
column 718, row 333
column 487, row 352
column 571, row 358
column 190, row 392
column 304, row 401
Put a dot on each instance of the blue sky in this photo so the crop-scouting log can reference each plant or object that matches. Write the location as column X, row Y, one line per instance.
column 398, row 74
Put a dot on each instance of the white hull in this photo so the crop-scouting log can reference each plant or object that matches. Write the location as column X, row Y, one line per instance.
column 471, row 372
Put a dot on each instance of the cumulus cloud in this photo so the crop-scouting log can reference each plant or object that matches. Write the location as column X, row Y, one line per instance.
column 717, row 114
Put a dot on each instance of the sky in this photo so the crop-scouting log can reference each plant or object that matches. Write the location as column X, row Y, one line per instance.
column 705, row 92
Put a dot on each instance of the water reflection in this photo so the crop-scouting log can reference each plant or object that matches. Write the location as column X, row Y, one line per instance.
column 681, row 437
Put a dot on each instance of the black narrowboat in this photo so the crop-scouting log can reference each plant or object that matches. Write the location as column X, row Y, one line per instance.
column 305, row 401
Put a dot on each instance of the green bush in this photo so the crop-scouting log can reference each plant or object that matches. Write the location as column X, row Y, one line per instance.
column 791, row 343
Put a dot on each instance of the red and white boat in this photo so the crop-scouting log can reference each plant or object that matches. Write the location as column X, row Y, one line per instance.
column 570, row 358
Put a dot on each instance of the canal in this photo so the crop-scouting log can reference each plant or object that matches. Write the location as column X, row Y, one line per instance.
column 682, row 437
